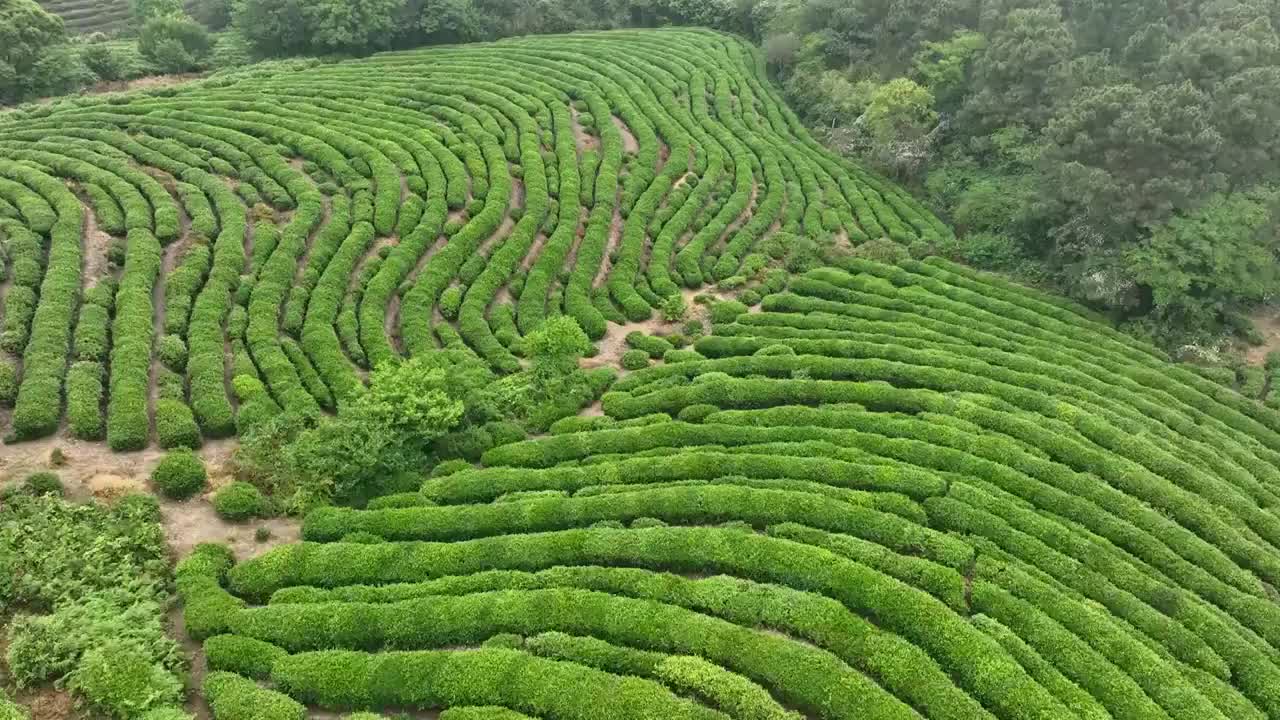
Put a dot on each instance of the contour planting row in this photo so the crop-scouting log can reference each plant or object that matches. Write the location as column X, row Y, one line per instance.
column 891, row 491
column 487, row 186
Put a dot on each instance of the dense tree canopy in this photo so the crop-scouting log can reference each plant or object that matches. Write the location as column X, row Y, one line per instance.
column 1070, row 135
column 27, row 34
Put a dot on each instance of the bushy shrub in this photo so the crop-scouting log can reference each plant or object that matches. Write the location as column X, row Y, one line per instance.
column 172, row 351
column 727, row 311
column 179, row 475
column 448, row 467
column 10, row 710
column 43, row 483
column 176, row 424
column 696, row 413
column 121, row 681
column 239, row 501
column 8, row 382
column 635, row 360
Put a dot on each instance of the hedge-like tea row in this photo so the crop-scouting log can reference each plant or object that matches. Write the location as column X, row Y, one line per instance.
column 891, row 490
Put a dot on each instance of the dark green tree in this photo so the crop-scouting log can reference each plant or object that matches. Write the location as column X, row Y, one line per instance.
column 27, row 33
column 1012, row 77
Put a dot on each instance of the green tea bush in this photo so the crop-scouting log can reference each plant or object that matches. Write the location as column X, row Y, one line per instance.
column 179, row 475
column 239, row 501
column 635, row 360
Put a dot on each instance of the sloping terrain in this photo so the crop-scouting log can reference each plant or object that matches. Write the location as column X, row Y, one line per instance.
column 886, row 489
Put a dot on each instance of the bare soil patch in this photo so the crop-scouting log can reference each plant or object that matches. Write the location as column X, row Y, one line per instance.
column 615, row 241
column 92, row 470
column 96, row 245
column 1267, row 321
column 629, row 142
column 47, row 703
column 189, row 523
column 614, row 343
column 144, row 83
column 584, row 140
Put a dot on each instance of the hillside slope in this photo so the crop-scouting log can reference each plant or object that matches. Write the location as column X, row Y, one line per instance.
column 887, row 488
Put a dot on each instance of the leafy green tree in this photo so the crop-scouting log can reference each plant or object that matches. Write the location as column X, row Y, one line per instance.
column 1108, row 25
column 1012, row 76
column 144, row 10
column 175, row 43
column 556, row 346
column 272, row 27
column 104, row 61
column 59, row 71
column 213, row 14
column 944, row 67
column 350, row 25
column 1217, row 260
column 450, row 21
column 27, row 33
column 1126, row 157
column 386, row 431
column 1247, row 114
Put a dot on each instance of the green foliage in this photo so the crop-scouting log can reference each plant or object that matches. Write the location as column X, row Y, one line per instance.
column 179, row 475
column 92, row 589
column 44, row 483
column 27, row 33
column 555, row 348
column 239, row 501
column 145, row 10
column 634, row 360
column 121, row 681
column 172, row 351
column 1211, row 263
column 10, row 710
column 174, row 42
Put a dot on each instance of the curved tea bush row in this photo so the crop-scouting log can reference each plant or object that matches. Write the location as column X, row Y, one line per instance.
column 865, row 489
column 561, row 175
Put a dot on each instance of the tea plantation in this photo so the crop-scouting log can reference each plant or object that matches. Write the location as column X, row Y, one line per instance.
column 869, row 487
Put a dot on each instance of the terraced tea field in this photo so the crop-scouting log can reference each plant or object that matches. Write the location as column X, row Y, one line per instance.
column 82, row 17
column 871, row 490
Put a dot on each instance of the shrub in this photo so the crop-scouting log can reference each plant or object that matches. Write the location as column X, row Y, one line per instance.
column 10, row 710
column 232, row 697
column 674, row 308
column 8, row 382
column 121, row 681
column 179, row 475
column 44, row 483
column 239, row 501
column 727, row 311
column 176, row 424
column 696, row 413
column 635, row 360
column 172, row 351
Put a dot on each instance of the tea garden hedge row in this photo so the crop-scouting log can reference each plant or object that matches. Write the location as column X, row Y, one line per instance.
column 889, row 488
column 304, row 224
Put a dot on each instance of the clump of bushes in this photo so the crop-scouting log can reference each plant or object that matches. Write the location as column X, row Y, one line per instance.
column 179, row 475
